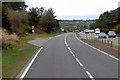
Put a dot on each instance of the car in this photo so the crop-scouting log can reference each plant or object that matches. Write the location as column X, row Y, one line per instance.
column 111, row 34
column 102, row 35
column 86, row 31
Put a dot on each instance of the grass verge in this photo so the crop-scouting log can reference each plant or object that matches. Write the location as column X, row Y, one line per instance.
column 16, row 55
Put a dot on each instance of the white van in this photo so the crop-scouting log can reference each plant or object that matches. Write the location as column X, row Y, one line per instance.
column 97, row 30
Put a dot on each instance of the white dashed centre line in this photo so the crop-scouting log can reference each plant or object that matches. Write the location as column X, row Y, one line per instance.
column 88, row 73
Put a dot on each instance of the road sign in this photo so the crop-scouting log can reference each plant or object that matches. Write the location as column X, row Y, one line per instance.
column 62, row 29
column 32, row 29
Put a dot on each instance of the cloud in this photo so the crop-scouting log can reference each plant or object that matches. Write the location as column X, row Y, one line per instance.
column 75, row 7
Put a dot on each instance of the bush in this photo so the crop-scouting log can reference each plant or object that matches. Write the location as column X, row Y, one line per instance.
column 116, row 29
column 105, row 30
column 18, row 19
column 29, row 30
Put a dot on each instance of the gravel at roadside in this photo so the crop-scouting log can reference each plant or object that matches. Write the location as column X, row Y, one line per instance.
column 39, row 41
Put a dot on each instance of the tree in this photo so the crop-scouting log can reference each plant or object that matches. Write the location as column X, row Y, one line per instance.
column 5, row 21
column 48, row 21
column 118, row 15
column 41, row 11
column 34, row 17
column 108, row 20
column 13, row 6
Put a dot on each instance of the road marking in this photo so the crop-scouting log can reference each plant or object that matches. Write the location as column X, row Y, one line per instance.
column 28, row 67
column 72, row 53
column 88, row 73
column 69, row 48
column 97, row 49
column 79, row 62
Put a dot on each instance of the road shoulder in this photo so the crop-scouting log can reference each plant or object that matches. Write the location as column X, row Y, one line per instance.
column 100, row 47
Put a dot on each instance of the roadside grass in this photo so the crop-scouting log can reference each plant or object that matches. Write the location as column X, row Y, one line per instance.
column 13, row 58
column 17, row 54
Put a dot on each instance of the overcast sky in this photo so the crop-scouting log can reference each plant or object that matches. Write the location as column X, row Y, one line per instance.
column 76, row 9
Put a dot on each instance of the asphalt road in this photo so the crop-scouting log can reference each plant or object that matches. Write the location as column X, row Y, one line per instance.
column 65, row 56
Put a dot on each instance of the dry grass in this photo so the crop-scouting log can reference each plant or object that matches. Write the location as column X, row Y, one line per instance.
column 8, row 39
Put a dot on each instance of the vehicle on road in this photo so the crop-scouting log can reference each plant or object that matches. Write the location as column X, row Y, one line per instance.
column 91, row 30
column 86, row 31
column 102, row 35
column 97, row 30
column 111, row 34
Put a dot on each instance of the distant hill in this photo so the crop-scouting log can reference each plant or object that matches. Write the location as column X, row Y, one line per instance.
column 92, row 21
column 75, row 24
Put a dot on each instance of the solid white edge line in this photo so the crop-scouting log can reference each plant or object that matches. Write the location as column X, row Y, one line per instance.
column 98, row 49
column 88, row 73
column 26, row 70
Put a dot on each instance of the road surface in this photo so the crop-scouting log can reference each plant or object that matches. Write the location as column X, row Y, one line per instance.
column 65, row 56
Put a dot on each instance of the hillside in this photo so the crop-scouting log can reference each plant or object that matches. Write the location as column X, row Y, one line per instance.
column 73, row 25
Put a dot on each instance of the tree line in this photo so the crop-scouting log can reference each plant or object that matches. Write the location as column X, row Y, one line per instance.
column 109, row 20
column 16, row 19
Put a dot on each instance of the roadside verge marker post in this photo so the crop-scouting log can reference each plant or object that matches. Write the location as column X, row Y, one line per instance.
column 108, row 42
column 102, row 41
column 105, row 41
column 111, row 43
